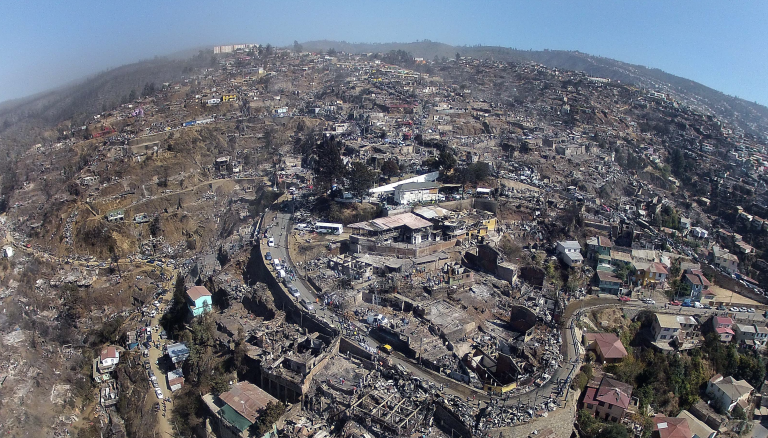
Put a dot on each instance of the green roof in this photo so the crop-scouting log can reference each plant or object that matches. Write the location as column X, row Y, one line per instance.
column 234, row 418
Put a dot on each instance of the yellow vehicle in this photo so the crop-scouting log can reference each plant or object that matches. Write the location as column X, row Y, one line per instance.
column 386, row 348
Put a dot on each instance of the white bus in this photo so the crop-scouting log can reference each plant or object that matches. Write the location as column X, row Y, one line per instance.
column 328, row 228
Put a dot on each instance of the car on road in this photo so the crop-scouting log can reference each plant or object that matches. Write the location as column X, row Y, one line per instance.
column 624, row 298
column 307, row 305
column 742, row 309
column 386, row 348
column 675, row 303
column 271, row 241
column 159, row 393
column 648, row 301
column 750, row 310
column 268, row 256
column 293, row 290
column 734, row 309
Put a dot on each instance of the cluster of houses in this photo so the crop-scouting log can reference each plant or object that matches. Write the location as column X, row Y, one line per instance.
column 644, row 268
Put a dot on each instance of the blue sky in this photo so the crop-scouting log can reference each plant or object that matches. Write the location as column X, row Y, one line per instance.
column 722, row 44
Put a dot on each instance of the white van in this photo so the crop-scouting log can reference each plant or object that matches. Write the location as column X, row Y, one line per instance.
column 281, row 273
column 276, row 263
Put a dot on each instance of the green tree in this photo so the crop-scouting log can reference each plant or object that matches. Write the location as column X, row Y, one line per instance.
column 298, row 48
column 360, row 179
column 390, row 168
column 267, row 418
column 446, row 161
column 613, row 430
column 588, row 424
column 328, row 165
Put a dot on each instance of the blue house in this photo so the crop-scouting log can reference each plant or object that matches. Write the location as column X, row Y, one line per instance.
column 198, row 300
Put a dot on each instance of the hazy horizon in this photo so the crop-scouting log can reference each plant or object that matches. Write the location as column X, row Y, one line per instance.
column 722, row 46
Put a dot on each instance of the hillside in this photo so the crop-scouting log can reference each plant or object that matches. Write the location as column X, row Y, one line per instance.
column 23, row 121
column 749, row 116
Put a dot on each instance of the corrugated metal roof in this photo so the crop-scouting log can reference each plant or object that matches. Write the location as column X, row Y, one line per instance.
column 247, row 399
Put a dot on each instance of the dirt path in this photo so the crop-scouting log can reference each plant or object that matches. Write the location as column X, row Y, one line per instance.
column 163, row 416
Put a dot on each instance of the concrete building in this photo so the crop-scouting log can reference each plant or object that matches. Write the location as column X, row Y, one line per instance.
column 569, row 252
column 108, row 359
column 729, row 392
column 417, row 192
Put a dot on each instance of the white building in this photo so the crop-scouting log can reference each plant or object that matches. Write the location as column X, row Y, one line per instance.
column 701, row 233
column 109, row 358
column 729, row 392
column 415, row 192
column 569, row 252
column 724, row 259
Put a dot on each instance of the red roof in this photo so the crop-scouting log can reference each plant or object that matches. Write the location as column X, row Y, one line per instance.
column 721, row 330
column 670, row 427
column 247, row 399
column 659, row 268
column 720, row 320
column 609, row 344
column 109, row 353
column 196, row 292
column 614, row 392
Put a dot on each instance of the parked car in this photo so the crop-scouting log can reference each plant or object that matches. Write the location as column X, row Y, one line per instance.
column 625, row 298
column 734, row 309
column 742, row 309
column 751, row 310
column 271, row 242
column 307, row 305
column 706, row 306
column 268, row 256
column 687, row 304
column 675, row 303
column 722, row 307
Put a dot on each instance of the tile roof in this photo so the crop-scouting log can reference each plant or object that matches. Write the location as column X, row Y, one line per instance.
column 669, row 427
column 609, row 344
column 614, row 392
